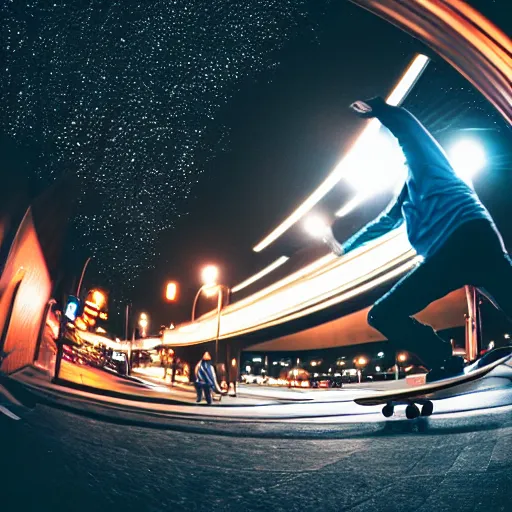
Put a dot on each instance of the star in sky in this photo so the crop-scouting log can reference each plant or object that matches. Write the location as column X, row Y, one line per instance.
column 124, row 94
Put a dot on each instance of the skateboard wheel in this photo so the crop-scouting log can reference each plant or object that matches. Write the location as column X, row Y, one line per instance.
column 388, row 410
column 412, row 411
column 427, row 409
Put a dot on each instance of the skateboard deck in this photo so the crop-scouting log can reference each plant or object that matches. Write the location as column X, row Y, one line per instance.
column 421, row 395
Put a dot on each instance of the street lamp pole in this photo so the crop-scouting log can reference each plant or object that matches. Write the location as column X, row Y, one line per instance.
column 198, row 294
column 82, row 277
column 219, row 309
column 126, row 321
column 220, row 289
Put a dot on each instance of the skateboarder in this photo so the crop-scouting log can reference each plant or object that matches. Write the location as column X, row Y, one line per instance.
column 447, row 225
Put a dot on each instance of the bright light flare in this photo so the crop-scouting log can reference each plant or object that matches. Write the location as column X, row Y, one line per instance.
column 98, row 297
column 468, row 158
column 143, row 323
column 317, row 227
column 209, row 275
column 376, row 165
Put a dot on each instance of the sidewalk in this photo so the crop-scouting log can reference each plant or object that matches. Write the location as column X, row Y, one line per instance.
column 319, row 412
column 282, row 393
column 98, row 382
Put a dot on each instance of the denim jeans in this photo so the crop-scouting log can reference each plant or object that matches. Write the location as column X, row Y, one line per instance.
column 472, row 255
column 203, row 387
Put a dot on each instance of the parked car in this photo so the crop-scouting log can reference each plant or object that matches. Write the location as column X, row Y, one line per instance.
column 326, row 381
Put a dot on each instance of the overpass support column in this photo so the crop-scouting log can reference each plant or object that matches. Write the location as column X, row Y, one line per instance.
column 473, row 324
column 233, row 353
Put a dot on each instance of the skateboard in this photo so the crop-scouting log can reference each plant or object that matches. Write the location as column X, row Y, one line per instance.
column 418, row 400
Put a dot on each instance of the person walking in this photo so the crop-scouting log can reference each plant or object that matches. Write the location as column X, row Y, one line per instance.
column 448, row 226
column 206, row 380
column 232, row 377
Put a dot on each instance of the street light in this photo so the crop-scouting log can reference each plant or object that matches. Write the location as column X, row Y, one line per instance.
column 171, row 291
column 143, row 324
column 361, row 362
column 318, row 228
column 209, row 275
column 210, row 287
column 400, row 358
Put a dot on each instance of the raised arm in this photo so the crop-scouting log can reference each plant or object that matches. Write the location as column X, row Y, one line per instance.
column 390, row 219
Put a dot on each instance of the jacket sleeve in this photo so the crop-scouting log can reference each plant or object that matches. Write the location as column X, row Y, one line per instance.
column 390, row 219
column 215, row 382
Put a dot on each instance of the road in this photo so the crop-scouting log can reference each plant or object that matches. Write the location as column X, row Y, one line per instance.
column 56, row 460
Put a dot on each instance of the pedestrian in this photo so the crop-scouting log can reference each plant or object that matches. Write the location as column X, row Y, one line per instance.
column 222, row 376
column 164, row 361
column 233, row 377
column 174, row 367
column 448, row 226
column 206, row 380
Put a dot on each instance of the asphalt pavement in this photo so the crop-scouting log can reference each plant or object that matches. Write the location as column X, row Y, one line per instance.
column 59, row 461
column 75, row 450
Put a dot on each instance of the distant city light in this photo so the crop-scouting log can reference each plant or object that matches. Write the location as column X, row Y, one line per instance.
column 256, row 359
column 377, row 368
column 402, row 357
column 143, row 323
column 380, row 354
column 98, row 297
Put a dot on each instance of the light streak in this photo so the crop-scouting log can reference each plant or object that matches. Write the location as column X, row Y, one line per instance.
column 280, row 261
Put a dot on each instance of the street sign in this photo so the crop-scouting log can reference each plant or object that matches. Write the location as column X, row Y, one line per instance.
column 72, row 308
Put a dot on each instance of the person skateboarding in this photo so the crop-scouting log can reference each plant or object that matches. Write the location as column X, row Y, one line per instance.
column 448, row 226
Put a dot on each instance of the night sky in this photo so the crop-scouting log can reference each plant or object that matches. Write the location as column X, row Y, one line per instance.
column 195, row 127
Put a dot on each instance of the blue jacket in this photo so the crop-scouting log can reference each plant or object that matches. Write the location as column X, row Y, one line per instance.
column 433, row 202
column 205, row 374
